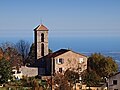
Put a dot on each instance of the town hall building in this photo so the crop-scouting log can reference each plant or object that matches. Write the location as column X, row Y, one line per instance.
column 56, row 62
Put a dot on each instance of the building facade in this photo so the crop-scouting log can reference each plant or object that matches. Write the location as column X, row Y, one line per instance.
column 63, row 59
column 114, row 82
column 71, row 60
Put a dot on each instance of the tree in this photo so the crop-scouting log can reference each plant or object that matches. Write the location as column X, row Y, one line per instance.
column 1, row 53
column 31, row 55
column 65, row 81
column 99, row 67
column 103, row 66
column 61, row 82
column 5, row 71
column 11, row 55
column 50, row 51
column 5, row 45
column 90, row 78
column 23, row 49
column 8, row 52
column 71, row 76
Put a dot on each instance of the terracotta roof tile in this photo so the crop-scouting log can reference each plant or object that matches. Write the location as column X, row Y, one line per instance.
column 57, row 53
column 41, row 28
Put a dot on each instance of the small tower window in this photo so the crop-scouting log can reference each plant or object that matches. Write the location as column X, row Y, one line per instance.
column 60, row 70
column 42, row 37
column 42, row 49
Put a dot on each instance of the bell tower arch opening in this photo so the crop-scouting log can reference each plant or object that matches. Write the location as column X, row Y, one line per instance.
column 42, row 49
column 42, row 37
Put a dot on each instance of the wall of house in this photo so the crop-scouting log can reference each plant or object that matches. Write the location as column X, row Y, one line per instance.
column 112, row 86
column 29, row 71
column 70, row 60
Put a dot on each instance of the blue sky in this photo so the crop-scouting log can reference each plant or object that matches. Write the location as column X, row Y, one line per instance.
column 82, row 25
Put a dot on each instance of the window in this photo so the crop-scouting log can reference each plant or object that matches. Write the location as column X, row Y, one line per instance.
column 114, row 82
column 60, row 70
column 13, row 72
column 60, row 61
column 42, row 49
column 80, row 60
column 80, row 69
column 42, row 37
column 18, row 72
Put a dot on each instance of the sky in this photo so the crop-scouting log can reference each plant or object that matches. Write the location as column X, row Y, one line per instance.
column 80, row 25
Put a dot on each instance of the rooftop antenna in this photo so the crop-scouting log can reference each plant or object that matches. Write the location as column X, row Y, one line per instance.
column 41, row 21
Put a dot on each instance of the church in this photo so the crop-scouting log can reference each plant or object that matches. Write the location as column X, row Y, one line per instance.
column 56, row 62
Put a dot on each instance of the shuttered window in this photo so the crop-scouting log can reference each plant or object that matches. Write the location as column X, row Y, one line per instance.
column 60, row 61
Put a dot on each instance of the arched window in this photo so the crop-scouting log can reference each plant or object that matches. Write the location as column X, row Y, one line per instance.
column 42, row 37
column 42, row 49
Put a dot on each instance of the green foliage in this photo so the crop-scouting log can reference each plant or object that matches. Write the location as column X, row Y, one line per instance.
column 71, row 76
column 65, row 81
column 99, row 67
column 30, row 83
column 90, row 78
column 5, row 71
column 62, row 82
column 103, row 66
column 31, row 55
column 50, row 51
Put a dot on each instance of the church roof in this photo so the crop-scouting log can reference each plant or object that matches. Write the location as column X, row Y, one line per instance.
column 59, row 52
column 41, row 28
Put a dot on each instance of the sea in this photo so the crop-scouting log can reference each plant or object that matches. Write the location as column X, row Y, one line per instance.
column 78, row 43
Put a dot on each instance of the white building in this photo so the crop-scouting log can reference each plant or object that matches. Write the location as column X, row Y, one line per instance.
column 17, row 74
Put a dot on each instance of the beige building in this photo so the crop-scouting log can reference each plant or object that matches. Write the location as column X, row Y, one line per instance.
column 64, row 59
column 114, row 82
column 58, row 61
column 61, row 60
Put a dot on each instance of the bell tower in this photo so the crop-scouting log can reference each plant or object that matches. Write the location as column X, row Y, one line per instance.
column 41, row 41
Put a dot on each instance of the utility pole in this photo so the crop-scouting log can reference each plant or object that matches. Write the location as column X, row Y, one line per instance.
column 51, row 71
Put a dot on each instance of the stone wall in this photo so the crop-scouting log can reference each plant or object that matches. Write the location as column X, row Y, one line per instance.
column 71, row 60
column 112, row 86
column 29, row 71
column 39, row 43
